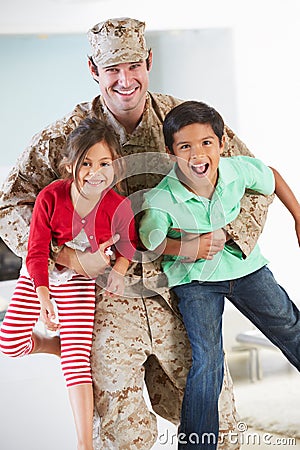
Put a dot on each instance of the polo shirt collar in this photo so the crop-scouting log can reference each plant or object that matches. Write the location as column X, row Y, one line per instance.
column 178, row 190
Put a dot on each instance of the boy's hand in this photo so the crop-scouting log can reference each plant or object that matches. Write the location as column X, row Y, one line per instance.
column 297, row 228
column 115, row 283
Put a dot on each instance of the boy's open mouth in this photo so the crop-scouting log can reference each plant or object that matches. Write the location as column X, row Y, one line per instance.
column 200, row 169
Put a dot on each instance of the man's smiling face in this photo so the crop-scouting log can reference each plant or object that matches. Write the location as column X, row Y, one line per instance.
column 124, row 86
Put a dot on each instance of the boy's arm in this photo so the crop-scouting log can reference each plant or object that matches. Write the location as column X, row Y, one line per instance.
column 287, row 197
column 248, row 226
column 153, row 231
column 194, row 246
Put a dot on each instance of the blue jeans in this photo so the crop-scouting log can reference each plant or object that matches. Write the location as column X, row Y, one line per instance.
column 261, row 300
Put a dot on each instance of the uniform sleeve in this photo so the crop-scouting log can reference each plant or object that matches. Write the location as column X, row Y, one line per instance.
column 31, row 173
column 39, row 241
column 36, row 167
column 248, row 226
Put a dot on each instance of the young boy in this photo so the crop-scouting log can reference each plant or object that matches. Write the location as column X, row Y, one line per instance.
column 202, row 194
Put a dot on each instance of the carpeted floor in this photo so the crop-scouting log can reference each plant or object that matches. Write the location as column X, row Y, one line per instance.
column 271, row 404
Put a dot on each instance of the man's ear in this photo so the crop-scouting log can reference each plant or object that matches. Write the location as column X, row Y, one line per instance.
column 149, row 60
column 94, row 70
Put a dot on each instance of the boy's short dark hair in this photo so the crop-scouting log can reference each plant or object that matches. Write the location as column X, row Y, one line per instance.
column 188, row 113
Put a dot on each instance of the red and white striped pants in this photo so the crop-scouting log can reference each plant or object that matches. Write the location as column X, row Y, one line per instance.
column 76, row 306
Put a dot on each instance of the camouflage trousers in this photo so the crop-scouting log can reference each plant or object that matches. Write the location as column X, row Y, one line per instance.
column 138, row 341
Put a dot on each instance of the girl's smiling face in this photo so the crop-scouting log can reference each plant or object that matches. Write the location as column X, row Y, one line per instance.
column 197, row 149
column 96, row 172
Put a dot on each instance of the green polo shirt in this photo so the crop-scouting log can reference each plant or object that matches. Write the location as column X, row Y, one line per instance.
column 171, row 210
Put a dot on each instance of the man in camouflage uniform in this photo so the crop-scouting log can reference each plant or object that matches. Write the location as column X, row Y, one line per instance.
column 139, row 337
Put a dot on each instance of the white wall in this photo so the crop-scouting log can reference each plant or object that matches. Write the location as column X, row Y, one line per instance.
column 55, row 77
column 266, row 41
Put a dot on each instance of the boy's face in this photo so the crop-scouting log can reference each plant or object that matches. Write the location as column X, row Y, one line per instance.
column 197, row 150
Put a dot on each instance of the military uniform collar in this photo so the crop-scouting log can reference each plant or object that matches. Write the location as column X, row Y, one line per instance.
column 142, row 128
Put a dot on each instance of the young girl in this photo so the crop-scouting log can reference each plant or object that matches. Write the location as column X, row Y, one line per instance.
column 81, row 210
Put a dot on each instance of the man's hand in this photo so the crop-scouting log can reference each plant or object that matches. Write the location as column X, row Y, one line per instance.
column 193, row 246
column 88, row 264
column 204, row 246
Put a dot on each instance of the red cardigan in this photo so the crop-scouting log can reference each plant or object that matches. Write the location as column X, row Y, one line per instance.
column 54, row 217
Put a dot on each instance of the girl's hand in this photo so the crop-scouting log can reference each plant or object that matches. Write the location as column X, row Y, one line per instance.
column 49, row 313
column 115, row 283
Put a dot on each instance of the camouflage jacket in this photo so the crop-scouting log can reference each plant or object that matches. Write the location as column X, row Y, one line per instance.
column 146, row 163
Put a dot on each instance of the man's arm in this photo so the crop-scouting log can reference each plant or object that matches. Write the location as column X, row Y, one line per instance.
column 155, row 225
column 194, row 246
column 16, row 204
column 36, row 167
column 34, row 170
column 85, row 263
column 248, row 226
